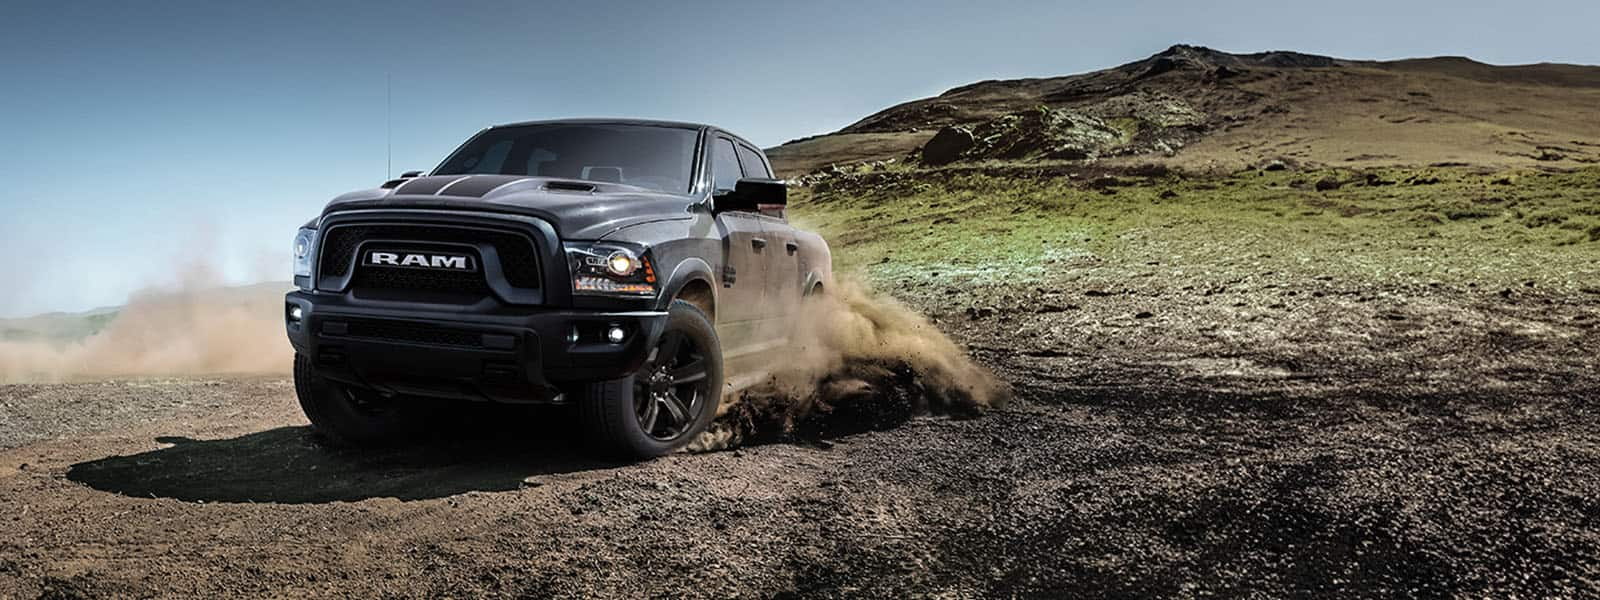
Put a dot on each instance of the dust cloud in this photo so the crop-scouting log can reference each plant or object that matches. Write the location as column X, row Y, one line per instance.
column 857, row 361
column 193, row 328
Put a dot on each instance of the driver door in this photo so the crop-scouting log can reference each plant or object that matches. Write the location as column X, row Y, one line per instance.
column 745, row 250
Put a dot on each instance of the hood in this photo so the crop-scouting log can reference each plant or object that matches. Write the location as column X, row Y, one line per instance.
column 579, row 210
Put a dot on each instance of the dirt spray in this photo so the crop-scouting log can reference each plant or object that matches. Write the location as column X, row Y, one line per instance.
column 856, row 361
column 190, row 330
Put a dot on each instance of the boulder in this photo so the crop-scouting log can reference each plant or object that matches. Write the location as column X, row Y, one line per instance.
column 947, row 146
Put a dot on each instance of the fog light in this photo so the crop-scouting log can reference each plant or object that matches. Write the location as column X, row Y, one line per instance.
column 572, row 336
column 616, row 334
column 295, row 313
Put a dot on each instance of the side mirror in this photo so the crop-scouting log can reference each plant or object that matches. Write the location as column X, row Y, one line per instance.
column 751, row 193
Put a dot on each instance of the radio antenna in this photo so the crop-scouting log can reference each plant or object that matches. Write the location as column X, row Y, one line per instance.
column 388, row 128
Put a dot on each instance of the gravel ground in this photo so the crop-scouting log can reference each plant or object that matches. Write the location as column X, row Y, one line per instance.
column 1370, row 442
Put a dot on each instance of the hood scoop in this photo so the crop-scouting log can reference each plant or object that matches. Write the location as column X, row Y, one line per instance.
column 570, row 186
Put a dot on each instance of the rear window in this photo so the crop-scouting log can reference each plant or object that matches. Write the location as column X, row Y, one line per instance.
column 654, row 157
column 753, row 165
column 724, row 165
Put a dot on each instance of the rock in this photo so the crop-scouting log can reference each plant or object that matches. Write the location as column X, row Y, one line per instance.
column 1168, row 194
column 1375, row 180
column 1067, row 153
column 1549, row 155
column 1327, row 184
column 1144, row 314
column 1275, row 165
column 947, row 146
column 1106, row 182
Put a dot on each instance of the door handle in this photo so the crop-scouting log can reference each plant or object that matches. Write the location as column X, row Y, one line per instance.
column 758, row 243
column 791, row 247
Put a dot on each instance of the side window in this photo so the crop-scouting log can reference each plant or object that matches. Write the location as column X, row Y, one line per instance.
column 724, row 165
column 753, row 165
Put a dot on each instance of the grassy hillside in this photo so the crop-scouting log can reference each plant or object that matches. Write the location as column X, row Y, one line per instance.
column 1439, row 226
column 1315, row 111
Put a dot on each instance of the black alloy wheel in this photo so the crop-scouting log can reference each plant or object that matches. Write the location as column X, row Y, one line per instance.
column 671, row 388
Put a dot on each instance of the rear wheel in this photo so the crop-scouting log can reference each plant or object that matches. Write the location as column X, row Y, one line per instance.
column 348, row 415
column 668, row 401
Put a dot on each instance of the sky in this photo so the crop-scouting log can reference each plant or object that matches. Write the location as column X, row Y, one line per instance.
column 156, row 144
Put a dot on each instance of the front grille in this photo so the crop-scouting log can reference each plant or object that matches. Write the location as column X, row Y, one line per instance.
column 518, row 259
column 469, row 283
column 415, row 333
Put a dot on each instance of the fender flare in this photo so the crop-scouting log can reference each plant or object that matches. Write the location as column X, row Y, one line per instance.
column 690, row 269
column 813, row 279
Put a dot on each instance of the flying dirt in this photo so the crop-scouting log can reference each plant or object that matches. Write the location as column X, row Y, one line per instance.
column 194, row 330
column 857, row 361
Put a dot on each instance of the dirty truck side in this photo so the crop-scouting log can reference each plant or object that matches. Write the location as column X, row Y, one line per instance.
column 628, row 269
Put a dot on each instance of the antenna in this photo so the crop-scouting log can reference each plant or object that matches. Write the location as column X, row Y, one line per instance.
column 388, row 128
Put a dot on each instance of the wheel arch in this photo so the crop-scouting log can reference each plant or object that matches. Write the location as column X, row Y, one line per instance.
column 692, row 282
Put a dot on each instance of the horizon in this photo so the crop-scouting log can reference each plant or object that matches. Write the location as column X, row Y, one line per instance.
column 182, row 145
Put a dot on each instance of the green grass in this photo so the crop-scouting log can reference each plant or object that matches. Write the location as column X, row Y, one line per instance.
column 1494, row 229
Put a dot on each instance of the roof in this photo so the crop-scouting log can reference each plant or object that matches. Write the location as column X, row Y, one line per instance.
column 606, row 122
column 647, row 122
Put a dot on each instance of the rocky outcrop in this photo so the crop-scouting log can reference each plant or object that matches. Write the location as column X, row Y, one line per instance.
column 947, row 146
column 1136, row 123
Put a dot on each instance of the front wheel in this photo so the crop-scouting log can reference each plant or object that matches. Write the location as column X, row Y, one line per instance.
column 668, row 401
column 349, row 416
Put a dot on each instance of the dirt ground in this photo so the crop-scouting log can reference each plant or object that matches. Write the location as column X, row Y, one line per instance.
column 1340, row 440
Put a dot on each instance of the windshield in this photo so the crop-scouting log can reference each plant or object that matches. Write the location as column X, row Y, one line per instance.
column 656, row 157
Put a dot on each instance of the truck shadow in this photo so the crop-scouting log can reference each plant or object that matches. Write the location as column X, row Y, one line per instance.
column 290, row 465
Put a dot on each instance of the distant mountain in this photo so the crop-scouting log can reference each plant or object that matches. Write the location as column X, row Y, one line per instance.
column 1201, row 108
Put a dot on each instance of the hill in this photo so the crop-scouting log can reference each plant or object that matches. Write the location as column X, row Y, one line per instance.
column 1203, row 109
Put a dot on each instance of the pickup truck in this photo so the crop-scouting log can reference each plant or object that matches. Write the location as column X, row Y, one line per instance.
column 628, row 269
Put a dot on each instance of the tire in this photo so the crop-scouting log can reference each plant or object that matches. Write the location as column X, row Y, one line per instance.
column 349, row 416
column 638, row 417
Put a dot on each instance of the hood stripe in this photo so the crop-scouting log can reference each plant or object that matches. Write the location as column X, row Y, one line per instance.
column 424, row 185
column 503, row 185
column 481, row 185
column 447, row 185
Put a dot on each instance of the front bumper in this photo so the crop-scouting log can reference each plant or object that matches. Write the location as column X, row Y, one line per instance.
column 510, row 354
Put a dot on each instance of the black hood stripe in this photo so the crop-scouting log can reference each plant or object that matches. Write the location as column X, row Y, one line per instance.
column 480, row 185
column 425, row 185
column 447, row 186
column 462, row 186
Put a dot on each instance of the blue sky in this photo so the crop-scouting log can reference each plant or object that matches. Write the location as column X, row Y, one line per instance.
column 145, row 142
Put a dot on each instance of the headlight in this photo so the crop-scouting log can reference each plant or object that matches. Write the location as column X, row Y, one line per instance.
column 305, row 242
column 608, row 268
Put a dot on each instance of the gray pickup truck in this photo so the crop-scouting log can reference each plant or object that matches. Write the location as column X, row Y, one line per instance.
column 626, row 268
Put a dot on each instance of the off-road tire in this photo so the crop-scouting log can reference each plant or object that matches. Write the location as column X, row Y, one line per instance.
column 340, row 419
column 608, row 410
